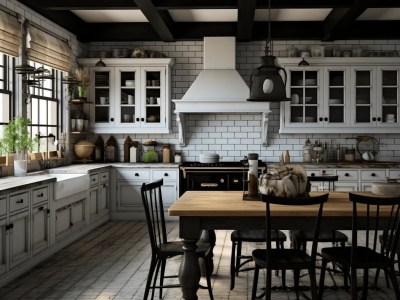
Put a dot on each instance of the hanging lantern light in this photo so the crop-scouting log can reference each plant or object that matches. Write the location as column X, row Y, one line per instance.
column 266, row 83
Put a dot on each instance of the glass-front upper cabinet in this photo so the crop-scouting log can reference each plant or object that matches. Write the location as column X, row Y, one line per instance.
column 101, row 95
column 364, row 100
column 336, row 96
column 304, row 90
column 128, row 95
column 388, row 93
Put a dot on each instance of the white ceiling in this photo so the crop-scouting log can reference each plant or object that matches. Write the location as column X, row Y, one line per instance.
column 230, row 15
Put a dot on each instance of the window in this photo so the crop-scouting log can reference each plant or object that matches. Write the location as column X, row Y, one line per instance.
column 43, row 107
column 6, row 63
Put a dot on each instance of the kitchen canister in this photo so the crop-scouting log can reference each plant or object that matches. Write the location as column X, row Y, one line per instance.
column 166, row 153
column 178, row 157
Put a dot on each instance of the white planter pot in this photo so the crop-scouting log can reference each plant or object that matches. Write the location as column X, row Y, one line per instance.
column 20, row 163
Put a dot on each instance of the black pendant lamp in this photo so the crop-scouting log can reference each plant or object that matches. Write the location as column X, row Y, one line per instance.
column 266, row 83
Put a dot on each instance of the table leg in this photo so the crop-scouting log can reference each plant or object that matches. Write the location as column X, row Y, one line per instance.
column 189, row 271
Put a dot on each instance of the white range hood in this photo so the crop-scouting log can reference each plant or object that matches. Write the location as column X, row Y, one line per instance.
column 219, row 88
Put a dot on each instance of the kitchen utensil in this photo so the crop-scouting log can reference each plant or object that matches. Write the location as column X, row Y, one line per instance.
column 367, row 147
column 209, row 158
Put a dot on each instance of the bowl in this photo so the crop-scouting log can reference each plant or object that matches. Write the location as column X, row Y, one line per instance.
column 151, row 119
column 84, row 150
column 129, row 82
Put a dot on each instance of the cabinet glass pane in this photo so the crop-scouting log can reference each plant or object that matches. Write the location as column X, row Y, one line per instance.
column 336, row 78
column 102, row 96
column 363, row 78
column 153, row 92
column 336, row 114
column 127, row 114
column 363, row 114
column 389, row 78
column 390, row 97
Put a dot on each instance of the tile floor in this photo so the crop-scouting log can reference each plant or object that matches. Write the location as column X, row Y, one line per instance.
column 112, row 262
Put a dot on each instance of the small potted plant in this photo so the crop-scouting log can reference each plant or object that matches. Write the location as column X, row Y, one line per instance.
column 82, row 75
column 17, row 140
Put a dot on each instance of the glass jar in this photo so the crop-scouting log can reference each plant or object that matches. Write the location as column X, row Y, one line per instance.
column 308, row 153
column 178, row 157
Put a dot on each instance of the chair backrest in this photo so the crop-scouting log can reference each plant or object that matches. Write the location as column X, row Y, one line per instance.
column 297, row 201
column 378, row 217
column 325, row 178
column 153, row 206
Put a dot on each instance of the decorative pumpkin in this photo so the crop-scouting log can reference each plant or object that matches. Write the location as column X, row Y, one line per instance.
column 285, row 182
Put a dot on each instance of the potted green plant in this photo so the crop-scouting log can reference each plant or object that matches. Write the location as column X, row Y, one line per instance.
column 17, row 140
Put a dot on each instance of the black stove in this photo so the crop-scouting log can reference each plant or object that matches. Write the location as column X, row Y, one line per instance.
column 224, row 175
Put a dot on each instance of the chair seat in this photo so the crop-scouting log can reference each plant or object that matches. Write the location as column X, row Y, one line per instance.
column 325, row 236
column 365, row 257
column 171, row 249
column 256, row 235
column 282, row 259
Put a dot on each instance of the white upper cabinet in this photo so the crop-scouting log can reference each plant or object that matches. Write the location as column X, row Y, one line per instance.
column 333, row 95
column 130, row 95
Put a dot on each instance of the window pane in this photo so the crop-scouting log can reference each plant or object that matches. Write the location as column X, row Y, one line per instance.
column 52, row 118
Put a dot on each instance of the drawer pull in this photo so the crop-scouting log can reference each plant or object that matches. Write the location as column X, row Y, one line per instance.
column 312, row 174
column 323, row 171
column 347, row 174
column 104, row 185
column 373, row 174
column 20, row 201
column 93, row 179
column 40, row 195
column 104, row 176
column 40, row 208
column 136, row 174
column 165, row 174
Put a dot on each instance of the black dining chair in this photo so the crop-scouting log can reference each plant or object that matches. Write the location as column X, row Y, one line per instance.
column 288, row 259
column 367, row 215
column 299, row 238
column 240, row 262
column 161, row 248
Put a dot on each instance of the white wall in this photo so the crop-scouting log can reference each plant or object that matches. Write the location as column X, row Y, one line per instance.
column 231, row 135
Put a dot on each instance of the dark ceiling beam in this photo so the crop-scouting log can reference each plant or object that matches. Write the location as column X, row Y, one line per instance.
column 246, row 11
column 340, row 20
column 83, row 4
column 161, row 22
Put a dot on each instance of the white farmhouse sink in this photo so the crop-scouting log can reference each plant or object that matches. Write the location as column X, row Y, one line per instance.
column 66, row 184
column 69, row 184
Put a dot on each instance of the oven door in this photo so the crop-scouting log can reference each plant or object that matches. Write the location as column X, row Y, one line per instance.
column 207, row 182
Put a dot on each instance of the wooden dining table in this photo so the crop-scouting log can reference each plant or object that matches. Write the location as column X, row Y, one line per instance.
column 225, row 210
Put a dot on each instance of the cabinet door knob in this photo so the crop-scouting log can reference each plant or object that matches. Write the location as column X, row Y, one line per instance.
column 347, row 174
column 136, row 174
column 374, row 119
column 326, row 119
column 165, row 174
column 112, row 119
column 379, row 119
column 142, row 119
column 104, row 185
column 137, row 119
column 321, row 119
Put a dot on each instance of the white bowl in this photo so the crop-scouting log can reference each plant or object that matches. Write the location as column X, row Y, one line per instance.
column 129, row 82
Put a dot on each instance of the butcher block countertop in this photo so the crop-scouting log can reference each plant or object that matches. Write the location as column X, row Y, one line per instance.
column 230, row 204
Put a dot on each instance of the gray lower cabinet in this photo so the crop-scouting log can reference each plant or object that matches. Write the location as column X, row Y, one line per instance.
column 99, row 194
column 3, row 244
column 18, row 228
column 128, row 182
column 40, row 219
column 69, row 218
